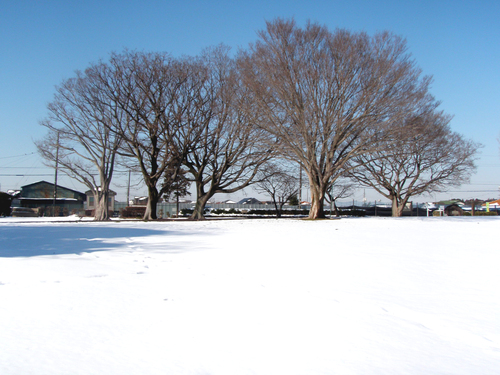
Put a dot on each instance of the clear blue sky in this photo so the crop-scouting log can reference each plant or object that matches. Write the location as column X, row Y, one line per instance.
column 44, row 42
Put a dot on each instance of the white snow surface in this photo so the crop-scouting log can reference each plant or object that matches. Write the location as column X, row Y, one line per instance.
column 349, row 296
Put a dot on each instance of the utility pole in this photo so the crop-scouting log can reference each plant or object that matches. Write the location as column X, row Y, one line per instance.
column 331, row 201
column 128, row 188
column 300, row 185
column 55, row 178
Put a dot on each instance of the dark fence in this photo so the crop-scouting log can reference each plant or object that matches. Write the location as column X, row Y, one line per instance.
column 168, row 210
column 385, row 210
column 220, row 209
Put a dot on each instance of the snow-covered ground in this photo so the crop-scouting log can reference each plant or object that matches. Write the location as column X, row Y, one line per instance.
column 349, row 296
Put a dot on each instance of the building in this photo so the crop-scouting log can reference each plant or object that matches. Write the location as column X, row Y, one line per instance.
column 454, row 210
column 492, row 205
column 91, row 204
column 249, row 201
column 40, row 195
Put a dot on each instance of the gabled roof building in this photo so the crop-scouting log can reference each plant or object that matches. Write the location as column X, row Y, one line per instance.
column 41, row 195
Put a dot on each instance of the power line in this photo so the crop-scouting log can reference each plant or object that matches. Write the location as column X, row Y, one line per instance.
column 483, row 184
column 25, row 167
column 31, row 175
column 25, row 175
column 16, row 156
column 471, row 191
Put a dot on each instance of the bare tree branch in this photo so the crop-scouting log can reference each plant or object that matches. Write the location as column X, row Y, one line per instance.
column 153, row 90
column 79, row 123
column 422, row 156
column 325, row 96
column 278, row 183
column 227, row 149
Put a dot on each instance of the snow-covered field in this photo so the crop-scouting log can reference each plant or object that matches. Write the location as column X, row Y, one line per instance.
column 349, row 296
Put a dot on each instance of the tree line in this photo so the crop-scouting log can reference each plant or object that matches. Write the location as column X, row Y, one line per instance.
column 344, row 106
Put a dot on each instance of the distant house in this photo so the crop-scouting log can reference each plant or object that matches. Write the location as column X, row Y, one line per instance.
column 495, row 205
column 249, row 201
column 140, row 201
column 454, row 210
column 91, row 203
column 40, row 195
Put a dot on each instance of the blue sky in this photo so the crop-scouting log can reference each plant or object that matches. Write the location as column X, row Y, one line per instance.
column 44, row 42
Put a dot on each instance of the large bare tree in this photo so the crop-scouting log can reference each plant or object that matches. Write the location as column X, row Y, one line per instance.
column 153, row 89
column 325, row 95
column 79, row 135
column 423, row 155
column 227, row 149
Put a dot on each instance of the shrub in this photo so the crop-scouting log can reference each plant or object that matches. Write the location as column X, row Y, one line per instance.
column 186, row 211
column 482, row 213
column 24, row 212
column 134, row 212
column 272, row 212
column 355, row 212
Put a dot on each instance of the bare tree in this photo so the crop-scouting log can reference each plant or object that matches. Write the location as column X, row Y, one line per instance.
column 153, row 89
column 175, row 184
column 326, row 95
column 342, row 188
column 279, row 184
column 423, row 156
column 80, row 138
column 227, row 150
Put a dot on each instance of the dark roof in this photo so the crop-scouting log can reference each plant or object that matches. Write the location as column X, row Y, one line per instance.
column 449, row 202
column 50, row 183
column 249, row 201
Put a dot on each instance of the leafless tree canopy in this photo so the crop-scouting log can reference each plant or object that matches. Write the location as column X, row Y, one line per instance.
column 341, row 188
column 153, row 90
column 278, row 183
column 324, row 95
column 79, row 123
column 422, row 156
column 330, row 101
column 227, row 148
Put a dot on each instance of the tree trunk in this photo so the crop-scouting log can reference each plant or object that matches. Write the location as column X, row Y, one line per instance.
column 278, row 211
column 177, row 207
column 397, row 207
column 317, row 203
column 199, row 208
column 335, row 208
column 153, row 198
column 101, row 212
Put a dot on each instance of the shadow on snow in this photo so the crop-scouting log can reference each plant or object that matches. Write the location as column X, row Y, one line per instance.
column 28, row 241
